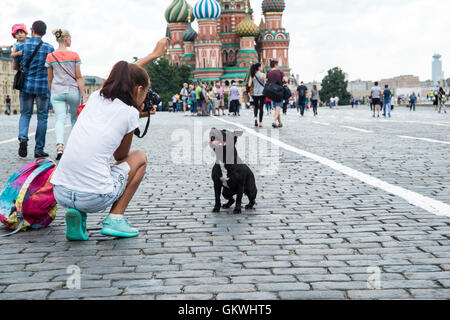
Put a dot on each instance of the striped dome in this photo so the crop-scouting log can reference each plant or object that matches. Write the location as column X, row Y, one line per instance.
column 273, row 6
column 247, row 28
column 207, row 9
column 178, row 12
column 189, row 34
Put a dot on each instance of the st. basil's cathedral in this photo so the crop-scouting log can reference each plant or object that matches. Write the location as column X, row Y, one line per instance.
column 228, row 42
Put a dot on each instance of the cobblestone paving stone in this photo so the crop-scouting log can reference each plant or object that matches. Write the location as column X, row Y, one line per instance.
column 315, row 234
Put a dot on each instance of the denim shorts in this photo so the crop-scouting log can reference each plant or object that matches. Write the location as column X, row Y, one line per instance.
column 277, row 104
column 92, row 202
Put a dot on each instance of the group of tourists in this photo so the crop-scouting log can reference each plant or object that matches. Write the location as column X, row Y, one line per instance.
column 51, row 76
column 381, row 100
column 440, row 99
column 199, row 99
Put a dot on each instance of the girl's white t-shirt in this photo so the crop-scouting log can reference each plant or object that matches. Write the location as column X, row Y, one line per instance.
column 98, row 132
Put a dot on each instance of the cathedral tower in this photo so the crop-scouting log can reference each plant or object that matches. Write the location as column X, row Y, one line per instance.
column 177, row 15
column 247, row 31
column 274, row 40
column 189, row 35
column 209, row 65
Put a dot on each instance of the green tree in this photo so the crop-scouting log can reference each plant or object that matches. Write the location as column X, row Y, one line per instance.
column 167, row 79
column 334, row 84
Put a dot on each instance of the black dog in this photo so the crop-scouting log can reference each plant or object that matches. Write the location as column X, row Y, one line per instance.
column 229, row 172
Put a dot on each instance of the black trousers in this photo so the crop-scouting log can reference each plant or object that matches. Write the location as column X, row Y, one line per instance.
column 302, row 104
column 259, row 107
column 314, row 105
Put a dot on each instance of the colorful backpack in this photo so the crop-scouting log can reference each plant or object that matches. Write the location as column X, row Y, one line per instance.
column 27, row 200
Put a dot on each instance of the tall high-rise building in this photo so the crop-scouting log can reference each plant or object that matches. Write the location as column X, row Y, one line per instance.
column 437, row 74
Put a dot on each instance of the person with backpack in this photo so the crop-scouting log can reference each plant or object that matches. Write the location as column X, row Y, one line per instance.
column 301, row 97
column 66, row 85
column 84, row 180
column 275, row 75
column 258, row 80
column 35, row 88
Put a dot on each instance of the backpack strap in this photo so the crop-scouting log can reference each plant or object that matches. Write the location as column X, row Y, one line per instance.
column 23, row 191
column 32, row 56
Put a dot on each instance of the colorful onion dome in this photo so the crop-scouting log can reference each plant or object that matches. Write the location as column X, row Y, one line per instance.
column 207, row 9
column 247, row 28
column 189, row 34
column 178, row 12
column 273, row 6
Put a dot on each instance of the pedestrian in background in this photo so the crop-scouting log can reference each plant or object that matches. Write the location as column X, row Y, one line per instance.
column 442, row 100
column 375, row 94
column 412, row 102
column 8, row 105
column 234, row 99
column 387, row 95
column 66, row 85
column 314, row 99
column 301, row 97
column 193, row 99
column 184, row 94
column 220, row 98
column 35, row 89
column 258, row 80
column 199, row 96
column 275, row 75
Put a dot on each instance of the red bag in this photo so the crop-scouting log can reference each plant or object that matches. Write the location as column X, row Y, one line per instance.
column 80, row 108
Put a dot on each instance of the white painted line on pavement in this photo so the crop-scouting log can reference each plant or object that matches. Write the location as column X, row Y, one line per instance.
column 425, row 139
column 357, row 129
column 431, row 205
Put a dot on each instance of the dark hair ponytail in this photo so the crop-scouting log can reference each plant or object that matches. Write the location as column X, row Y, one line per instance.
column 122, row 81
column 254, row 69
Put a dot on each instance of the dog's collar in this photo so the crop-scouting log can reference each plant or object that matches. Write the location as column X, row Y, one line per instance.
column 218, row 143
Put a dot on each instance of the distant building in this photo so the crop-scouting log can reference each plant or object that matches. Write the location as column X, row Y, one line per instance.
column 6, row 81
column 436, row 69
column 359, row 88
column 92, row 83
column 406, row 81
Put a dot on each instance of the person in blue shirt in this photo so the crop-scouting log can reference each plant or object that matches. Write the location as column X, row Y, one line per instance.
column 412, row 100
column 35, row 89
column 387, row 106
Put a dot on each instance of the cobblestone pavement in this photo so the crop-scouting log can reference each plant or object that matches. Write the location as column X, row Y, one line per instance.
column 316, row 232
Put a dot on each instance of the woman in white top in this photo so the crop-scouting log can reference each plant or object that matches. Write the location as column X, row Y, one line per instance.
column 84, row 180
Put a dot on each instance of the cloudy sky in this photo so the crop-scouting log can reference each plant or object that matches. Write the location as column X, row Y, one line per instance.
column 368, row 39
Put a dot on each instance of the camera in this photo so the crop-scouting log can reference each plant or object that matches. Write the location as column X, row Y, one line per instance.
column 151, row 100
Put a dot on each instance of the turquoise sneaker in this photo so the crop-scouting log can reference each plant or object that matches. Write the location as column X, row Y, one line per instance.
column 118, row 228
column 76, row 225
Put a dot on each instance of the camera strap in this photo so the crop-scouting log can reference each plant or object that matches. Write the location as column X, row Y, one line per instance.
column 137, row 132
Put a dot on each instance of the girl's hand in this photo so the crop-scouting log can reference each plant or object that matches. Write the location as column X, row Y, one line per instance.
column 161, row 47
column 83, row 100
column 144, row 114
